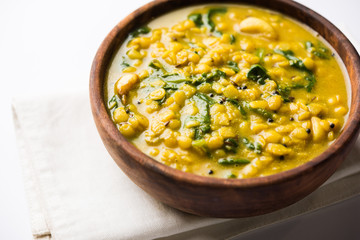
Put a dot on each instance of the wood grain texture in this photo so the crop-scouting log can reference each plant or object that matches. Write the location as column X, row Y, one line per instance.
column 215, row 197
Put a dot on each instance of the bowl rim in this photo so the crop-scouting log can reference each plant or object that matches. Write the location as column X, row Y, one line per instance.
column 96, row 87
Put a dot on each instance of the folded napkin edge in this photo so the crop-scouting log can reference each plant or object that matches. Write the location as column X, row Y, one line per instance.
column 37, row 214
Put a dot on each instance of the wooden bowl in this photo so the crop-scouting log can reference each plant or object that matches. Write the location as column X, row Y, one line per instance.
column 215, row 197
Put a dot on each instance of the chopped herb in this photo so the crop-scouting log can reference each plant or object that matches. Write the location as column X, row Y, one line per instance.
column 231, row 176
column 214, row 75
column 258, row 74
column 260, row 52
column 220, row 73
column 230, row 145
column 243, row 106
column 141, row 30
column 124, row 64
column 155, row 64
column 203, row 103
column 308, row 45
column 206, row 20
column 322, row 53
column 297, row 63
column 257, row 148
column 284, row 92
column 312, row 80
column 162, row 101
column 197, row 19
column 206, row 98
column 294, row 61
column 172, row 82
column 319, row 51
column 232, row 161
column 201, row 144
column 113, row 102
column 169, row 75
column 237, row 104
column 248, row 144
column 175, row 78
column 208, row 17
column 232, row 39
column 262, row 112
column 170, row 87
column 234, row 66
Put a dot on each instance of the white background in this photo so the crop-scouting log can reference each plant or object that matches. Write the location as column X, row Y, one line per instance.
column 47, row 47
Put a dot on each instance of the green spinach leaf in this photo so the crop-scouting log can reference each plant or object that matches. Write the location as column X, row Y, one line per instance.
column 208, row 18
column 214, row 75
column 124, row 64
column 258, row 74
column 319, row 51
column 232, row 39
column 294, row 61
column 141, row 30
column 197, row 19
column 260, row 52
column 237, row 104
column 234, row 66
column 203, row 103
column 113, row 102
column 297, row 63
column 262, row 112
column 231, row 145
column 175, row 78
column 254, row 147
column 232, row 161
column 155, row 64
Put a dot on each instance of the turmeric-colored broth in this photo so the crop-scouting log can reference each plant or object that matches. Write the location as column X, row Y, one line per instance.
column 227, row 91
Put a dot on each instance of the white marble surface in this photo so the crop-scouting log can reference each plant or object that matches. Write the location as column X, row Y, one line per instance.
column 48, row 46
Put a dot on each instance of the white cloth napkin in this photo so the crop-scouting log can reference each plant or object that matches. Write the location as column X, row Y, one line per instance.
column 76, row 191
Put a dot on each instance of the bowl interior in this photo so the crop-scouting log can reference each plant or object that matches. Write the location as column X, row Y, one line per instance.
column 292, row 9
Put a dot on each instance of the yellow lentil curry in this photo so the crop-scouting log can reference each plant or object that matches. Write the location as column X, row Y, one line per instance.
column 227, row 91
